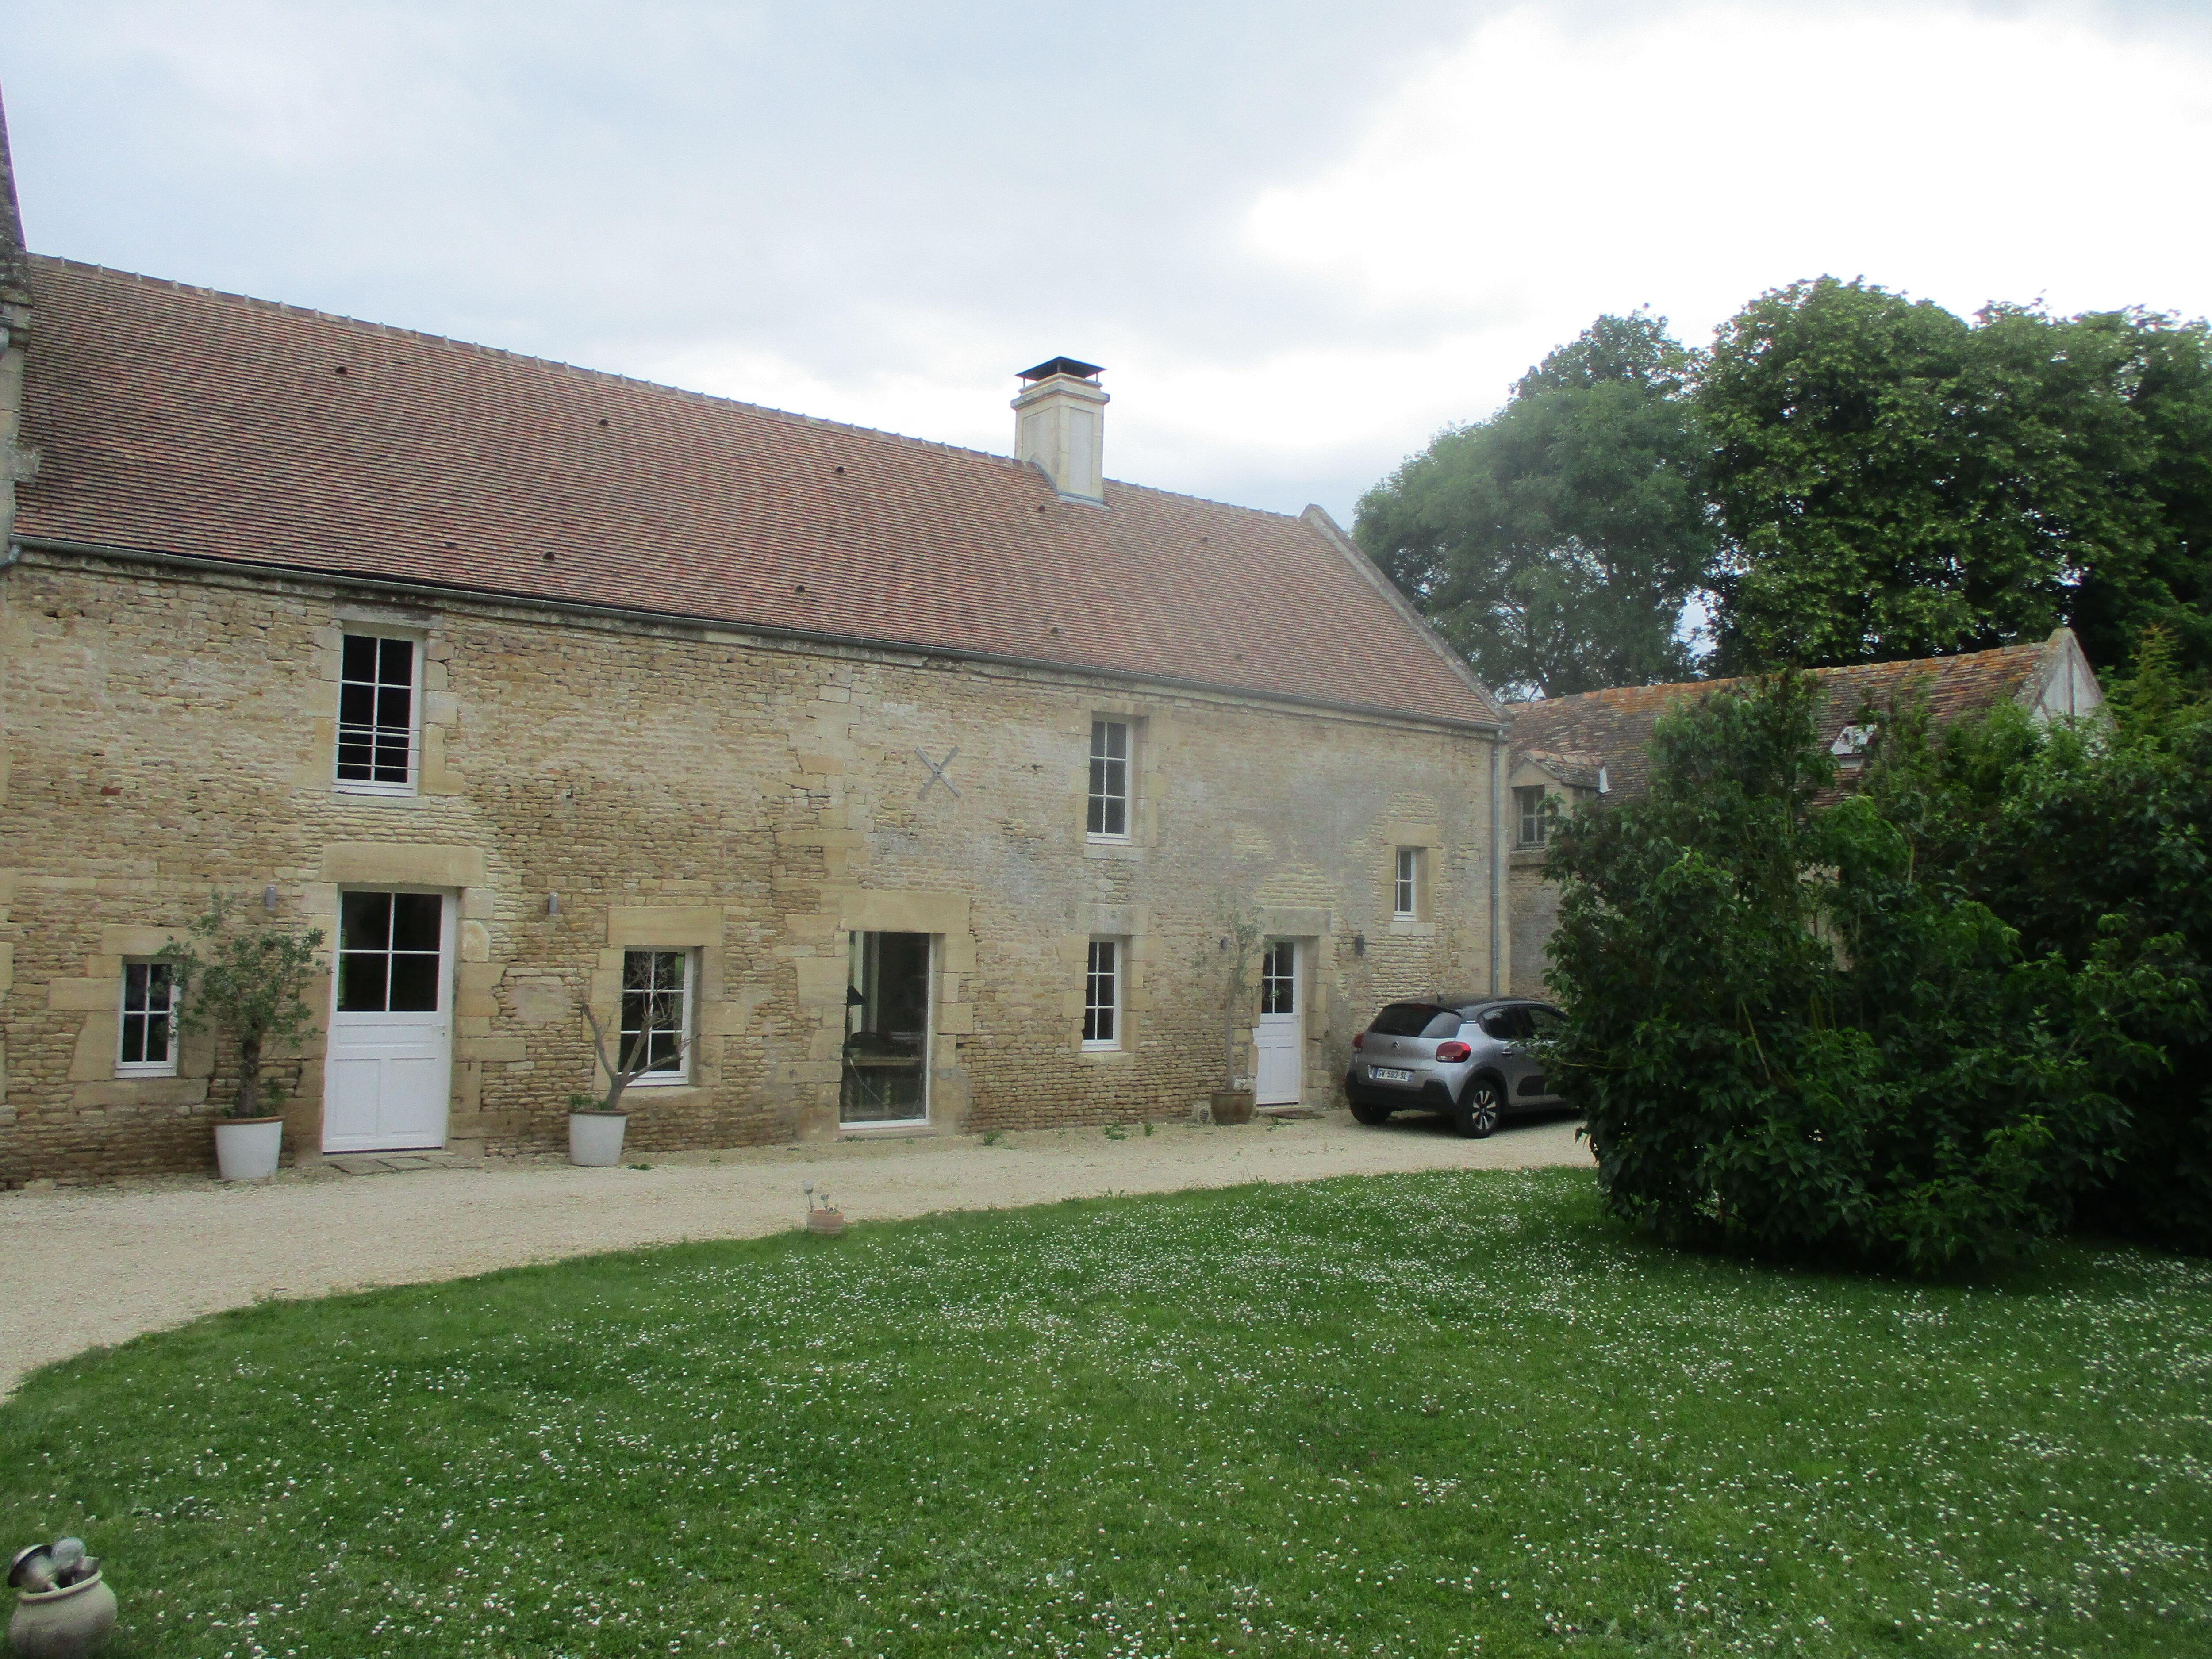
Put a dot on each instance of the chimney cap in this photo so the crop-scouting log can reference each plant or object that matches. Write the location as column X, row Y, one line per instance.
column 1050, row 366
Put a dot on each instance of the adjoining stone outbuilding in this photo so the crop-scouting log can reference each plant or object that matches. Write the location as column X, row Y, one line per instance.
column 899, row 787
column 1593, row 746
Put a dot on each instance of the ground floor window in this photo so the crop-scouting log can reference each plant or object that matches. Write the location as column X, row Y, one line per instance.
column 1102, row 995
column 150, row 1005
column 656, row 1013
column 888, row 995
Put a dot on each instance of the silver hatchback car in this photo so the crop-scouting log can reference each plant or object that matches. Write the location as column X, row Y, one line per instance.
column 1469, row 1058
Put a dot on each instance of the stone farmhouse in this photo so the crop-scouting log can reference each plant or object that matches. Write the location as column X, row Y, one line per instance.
column 876, row 786
column 1568, row 751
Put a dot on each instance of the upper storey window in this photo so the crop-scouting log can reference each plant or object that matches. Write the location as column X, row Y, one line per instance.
column 1109, row 778
column 380, row 703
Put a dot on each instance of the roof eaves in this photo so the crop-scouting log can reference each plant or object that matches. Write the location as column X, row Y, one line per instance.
column 639, row 614
column 1333, row 534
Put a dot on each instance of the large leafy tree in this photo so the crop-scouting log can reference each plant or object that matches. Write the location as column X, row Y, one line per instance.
column 1557, row 544
column 1895, row 482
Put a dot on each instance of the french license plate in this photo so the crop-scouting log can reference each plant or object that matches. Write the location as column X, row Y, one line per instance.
column 1387, row 1074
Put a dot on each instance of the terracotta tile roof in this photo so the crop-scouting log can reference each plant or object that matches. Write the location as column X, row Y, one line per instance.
column 181, row 420
column 1614, row 727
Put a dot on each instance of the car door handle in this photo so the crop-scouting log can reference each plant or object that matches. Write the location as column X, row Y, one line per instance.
column 1509, row 1050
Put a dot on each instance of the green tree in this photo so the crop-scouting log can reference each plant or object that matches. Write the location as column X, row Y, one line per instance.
column 1894, row 482
column 2096, row 839
column 1787, row 1030
column 245, row 982
column 1557, row 544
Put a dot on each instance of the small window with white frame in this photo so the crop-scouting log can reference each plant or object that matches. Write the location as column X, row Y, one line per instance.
column 147, row 1046
column 1102, row 995
column 1406, row 889
column 656, row 1015
column 1109, row 779
column 380, row 713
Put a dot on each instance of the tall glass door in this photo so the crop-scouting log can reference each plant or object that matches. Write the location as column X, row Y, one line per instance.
column 888, row 997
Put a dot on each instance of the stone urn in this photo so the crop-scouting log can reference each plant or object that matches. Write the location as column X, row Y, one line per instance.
column 63, row 1624
column 595, row 1139
column 1232, row 1106
column 248, row 1148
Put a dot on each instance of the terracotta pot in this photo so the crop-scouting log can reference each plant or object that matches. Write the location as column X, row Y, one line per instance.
column 1232, row 1106
column 248, row 1148
column 595, row 1139
column 63, row 1624
column 825, row 1221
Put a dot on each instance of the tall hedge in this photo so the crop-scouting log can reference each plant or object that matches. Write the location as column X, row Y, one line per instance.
column 1792, row 1029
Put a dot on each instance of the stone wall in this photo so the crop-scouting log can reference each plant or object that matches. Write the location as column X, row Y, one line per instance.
column 168, row 732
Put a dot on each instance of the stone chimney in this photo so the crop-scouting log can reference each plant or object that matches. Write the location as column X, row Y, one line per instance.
column 1060, row 423
column 14, row 340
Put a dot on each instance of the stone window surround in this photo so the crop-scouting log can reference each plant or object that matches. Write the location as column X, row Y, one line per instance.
column 1427, row 842
column 1129, row 927
column 820, row 955
column 437, row 709
column 98, row 996
column 1150, row 734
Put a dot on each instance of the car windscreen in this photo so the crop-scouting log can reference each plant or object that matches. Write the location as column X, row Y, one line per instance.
column 1411, row 1019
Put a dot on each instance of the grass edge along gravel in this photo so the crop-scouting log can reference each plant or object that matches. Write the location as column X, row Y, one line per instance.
column 1450, row 1413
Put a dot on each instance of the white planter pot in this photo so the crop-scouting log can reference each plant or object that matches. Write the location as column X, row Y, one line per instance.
column 247, row 1148
column 595, row 1138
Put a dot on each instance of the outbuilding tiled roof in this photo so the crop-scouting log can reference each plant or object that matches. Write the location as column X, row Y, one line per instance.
column 181, row 420
column 1614, row 727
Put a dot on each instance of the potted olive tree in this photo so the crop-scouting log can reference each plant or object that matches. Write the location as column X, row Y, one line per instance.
column 1225, row 964
column 596, row 1127
column 244, row 981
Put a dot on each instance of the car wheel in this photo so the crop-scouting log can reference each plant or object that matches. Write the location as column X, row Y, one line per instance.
column 1479, row 1110
column 1367, row 1113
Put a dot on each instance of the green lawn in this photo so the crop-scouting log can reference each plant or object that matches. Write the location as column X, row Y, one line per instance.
column 1430, row 1415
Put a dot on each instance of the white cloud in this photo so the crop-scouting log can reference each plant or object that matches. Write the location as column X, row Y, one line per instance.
column 1541, row 173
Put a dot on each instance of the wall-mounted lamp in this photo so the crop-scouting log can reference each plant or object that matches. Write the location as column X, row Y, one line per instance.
column 268, row 898
column 552, row 904
column 1360, row 944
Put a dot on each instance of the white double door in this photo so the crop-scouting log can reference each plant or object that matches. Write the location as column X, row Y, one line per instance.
column 1279, row 1041
column 390, row 1069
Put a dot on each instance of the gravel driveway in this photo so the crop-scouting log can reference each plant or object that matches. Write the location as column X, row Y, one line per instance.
column 161, row 1254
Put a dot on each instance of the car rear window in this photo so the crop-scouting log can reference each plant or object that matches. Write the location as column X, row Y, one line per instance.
column 1415, row 1020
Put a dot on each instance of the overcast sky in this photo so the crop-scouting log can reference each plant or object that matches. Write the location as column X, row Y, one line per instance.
column 1302, row 237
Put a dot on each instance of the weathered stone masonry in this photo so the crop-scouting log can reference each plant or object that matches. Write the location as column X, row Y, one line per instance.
column 168, row 730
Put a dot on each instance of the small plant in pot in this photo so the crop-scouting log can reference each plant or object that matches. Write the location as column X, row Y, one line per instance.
column 244, row 981
column 1227, row 964
column 596, row 1125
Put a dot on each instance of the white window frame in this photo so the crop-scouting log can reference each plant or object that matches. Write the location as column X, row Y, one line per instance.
column 370, row 786
column 144, row 1067
column 1405, row 886
column 681, row 1076
column 1118, row 973
column 1539, row 817
column 1097, row 799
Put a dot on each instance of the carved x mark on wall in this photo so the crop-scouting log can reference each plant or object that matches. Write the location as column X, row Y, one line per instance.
column 936, row 774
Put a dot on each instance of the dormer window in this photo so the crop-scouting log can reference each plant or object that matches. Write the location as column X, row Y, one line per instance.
column 380, row 705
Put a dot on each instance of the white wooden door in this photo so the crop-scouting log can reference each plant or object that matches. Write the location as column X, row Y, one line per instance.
column 1279, row 1044
column 391, row 1067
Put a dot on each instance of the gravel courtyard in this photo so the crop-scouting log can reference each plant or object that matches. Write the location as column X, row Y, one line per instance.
column 140, row 1258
